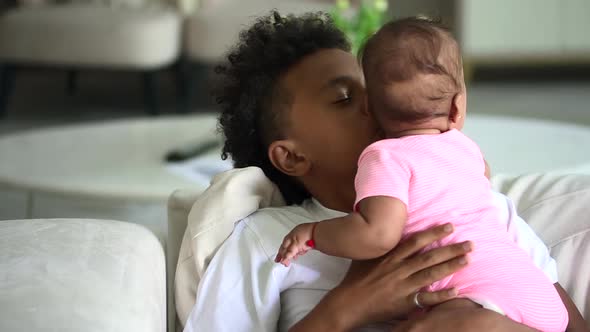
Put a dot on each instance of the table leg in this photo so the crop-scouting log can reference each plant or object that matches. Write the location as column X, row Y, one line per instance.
column 72, row 82
column 7, row 74
column 150, row 90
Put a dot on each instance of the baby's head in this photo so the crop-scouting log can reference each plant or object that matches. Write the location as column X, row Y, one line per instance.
column 414, row 76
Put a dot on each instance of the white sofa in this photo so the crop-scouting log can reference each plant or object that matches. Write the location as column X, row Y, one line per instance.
column 556, row 207
column 100, row 275
column 80, row 275
column 211, row 30
column 138, row 35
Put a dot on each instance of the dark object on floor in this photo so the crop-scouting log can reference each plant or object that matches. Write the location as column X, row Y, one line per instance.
column 191, row 151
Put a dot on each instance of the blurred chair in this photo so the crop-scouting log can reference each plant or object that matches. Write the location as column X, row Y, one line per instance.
column 214, row 28
column 141, row 35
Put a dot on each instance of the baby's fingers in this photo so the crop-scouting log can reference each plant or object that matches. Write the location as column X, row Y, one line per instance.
column 301, row 253
column 283, row 249
column 291, row 252
column 286, row 243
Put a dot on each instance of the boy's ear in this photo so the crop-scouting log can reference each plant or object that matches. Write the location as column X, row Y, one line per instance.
column 287, row 158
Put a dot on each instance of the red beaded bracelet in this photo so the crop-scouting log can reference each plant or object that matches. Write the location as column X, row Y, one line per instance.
column 311, row 243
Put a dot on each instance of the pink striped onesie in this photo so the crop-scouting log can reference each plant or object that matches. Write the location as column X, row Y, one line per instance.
column 440, row 178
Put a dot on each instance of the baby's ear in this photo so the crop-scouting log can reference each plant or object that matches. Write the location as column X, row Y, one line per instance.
column 458, row 111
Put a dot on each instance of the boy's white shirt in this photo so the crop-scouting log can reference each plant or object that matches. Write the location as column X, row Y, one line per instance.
column 243, row 289
column 232, row 196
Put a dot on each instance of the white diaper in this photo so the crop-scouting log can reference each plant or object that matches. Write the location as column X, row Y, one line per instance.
column 487, row 304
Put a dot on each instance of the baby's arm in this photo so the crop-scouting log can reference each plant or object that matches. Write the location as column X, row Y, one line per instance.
column 369, row 233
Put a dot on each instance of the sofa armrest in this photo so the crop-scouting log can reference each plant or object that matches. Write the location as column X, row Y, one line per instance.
column 179, row 205
column 80, row 275
column 557, row 208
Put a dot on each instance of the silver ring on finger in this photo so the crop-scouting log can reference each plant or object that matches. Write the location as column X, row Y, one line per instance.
column 417, row 302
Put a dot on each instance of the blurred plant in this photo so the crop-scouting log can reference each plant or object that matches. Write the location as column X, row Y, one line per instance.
column 359, row 24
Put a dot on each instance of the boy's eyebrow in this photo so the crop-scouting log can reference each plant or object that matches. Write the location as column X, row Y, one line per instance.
column 338, row 81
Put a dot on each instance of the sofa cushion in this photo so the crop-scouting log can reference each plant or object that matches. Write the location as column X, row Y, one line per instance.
column 557, row 208
column 91, row 35
column 80, row 275
column 572, row 255
column 117, row 3
column 214, row 28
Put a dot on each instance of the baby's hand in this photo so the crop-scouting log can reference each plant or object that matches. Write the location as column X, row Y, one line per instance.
column 296, row 243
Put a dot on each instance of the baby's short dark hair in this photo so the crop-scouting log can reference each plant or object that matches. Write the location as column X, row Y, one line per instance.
column 409, row 49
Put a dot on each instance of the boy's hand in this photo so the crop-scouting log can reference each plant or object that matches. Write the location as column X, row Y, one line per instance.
column 295, row 243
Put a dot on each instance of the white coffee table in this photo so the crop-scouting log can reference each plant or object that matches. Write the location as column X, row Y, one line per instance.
column 112, row 170
column 115, row 170
column 523, row 145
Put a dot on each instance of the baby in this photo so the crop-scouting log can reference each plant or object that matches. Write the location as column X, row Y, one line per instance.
column 426, row 172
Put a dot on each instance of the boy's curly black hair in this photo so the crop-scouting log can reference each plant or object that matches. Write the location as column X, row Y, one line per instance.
column 253, row 104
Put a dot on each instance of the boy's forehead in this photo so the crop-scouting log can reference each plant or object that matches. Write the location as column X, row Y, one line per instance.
column 317, row 69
